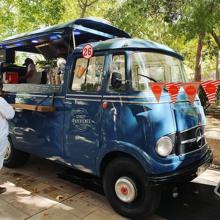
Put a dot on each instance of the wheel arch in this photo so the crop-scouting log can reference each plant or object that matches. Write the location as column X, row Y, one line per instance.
column 112, row 155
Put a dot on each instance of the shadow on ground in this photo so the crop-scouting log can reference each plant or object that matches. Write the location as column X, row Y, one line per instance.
column 195, row 201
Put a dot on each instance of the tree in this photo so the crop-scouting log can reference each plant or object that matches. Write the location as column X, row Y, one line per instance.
column 197, row 19
column 97, row 9
column 84, row 5
column 26, row 15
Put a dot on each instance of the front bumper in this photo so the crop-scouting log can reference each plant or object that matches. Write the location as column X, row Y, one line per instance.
column 184, row 174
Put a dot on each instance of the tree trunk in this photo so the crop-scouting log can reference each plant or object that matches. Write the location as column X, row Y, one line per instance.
column 198, row 76
column 217, row 41
column 83, row 12
column 218, row 65
column 216, row 38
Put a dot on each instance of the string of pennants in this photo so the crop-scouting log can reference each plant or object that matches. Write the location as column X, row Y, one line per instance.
column 191, row 89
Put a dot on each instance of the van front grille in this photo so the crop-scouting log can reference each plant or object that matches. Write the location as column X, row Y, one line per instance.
column 190, row 140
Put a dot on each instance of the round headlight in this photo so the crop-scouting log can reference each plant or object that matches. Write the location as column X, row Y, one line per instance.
column 164, row 146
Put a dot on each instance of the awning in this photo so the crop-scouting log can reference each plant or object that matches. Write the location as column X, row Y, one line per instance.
column 94, row 26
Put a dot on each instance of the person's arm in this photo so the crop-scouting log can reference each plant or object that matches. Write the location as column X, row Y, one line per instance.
column 4, row 78
column 30, row 71
column 6, row 109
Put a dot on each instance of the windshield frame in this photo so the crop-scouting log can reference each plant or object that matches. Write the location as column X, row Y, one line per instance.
column 159, row 52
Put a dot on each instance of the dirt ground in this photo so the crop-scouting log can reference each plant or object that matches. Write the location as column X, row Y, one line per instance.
column 213, row 136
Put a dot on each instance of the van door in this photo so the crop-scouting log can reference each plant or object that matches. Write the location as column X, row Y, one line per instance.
column 36, row 132
column 83, row 114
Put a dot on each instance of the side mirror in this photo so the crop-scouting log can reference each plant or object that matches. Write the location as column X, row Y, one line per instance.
column 116, row 80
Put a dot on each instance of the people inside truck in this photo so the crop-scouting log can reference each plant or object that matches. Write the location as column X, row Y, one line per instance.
column 44, row 76
column 61, row 63
column 31, row 75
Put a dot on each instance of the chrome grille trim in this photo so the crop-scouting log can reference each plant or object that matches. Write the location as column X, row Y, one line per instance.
column 192, row 140
column 201, row 148
column 192, row 128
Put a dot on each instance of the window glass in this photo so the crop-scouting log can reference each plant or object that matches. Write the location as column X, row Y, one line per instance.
column 88, row 74
column 118, row 66
column 154, row 67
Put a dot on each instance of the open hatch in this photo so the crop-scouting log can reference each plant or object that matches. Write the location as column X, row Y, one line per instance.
column 49, row 49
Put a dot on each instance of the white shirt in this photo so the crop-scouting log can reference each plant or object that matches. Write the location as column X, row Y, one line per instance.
column 6, row 113
column 35, row 77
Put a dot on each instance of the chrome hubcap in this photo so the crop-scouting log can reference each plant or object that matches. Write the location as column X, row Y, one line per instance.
column 126, row 189
column 8, row 151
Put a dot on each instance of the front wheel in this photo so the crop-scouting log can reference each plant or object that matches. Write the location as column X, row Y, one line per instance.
column 13, row 157
column 125, row 185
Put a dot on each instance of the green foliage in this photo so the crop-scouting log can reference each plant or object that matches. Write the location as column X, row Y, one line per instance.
column 176, row 23
column 24, row 15
column 98, row 9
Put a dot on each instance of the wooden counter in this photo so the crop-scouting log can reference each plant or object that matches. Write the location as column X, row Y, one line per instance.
column 38, row 108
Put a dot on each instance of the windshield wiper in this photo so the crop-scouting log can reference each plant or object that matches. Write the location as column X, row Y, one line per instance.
column 152, row 79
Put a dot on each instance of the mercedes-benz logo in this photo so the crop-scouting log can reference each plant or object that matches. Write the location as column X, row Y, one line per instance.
column 199, row 137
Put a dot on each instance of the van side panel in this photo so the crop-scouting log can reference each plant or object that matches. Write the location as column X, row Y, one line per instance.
column 39, row 133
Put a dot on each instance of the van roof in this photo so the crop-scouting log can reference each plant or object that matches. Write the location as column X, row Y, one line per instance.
column 132, row 44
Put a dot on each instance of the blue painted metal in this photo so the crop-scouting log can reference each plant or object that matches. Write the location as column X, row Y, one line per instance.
column 131, row 44
column 80, row 133
column 39, row 133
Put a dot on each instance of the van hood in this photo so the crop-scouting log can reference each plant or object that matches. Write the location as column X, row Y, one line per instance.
column 166, row 117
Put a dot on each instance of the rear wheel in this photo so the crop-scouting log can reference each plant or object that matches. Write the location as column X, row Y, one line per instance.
column 13, row 157
column 125, row 185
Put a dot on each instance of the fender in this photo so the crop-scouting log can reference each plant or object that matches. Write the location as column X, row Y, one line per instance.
column 127, row 148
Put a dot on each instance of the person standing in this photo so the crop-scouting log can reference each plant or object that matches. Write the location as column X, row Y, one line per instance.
column 6, row 113
column 31, row 75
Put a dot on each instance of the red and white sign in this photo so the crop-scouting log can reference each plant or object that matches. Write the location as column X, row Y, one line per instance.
column 157, row 89
column 210, row 87
column 191, row 90
column 173, row 90
column 87, row 51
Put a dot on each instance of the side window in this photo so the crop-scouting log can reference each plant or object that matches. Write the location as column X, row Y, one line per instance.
column 88, row 74
column 118, row 67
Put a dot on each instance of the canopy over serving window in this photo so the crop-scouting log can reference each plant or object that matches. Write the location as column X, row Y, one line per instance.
column 60, row 40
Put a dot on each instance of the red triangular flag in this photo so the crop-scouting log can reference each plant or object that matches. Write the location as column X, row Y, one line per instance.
column 210, row 87
column 173, row 90
column 191, row 90
column 157, row 89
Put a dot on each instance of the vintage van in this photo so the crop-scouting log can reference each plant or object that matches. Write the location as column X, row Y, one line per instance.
column 104, row 119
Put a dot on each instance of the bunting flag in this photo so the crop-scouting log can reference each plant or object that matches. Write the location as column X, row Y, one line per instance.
column 157, row 89
column 191, row 90
column 173, row 90
column 210, row 87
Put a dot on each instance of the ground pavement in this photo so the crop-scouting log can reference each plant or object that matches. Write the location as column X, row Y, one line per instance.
column 213, row 136
column 36, row 192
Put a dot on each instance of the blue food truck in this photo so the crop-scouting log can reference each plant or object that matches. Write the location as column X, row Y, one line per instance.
column 102, row 118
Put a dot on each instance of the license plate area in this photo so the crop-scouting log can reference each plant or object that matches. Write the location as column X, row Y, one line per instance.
column 202, row 169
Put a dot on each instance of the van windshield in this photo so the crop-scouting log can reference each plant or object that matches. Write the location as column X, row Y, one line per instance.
column 155, row 67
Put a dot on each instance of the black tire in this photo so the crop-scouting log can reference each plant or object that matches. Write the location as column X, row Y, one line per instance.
column 147, row 198
column 15, row 158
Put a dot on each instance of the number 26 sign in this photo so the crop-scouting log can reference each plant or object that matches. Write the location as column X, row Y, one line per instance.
column 87, row 51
